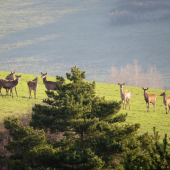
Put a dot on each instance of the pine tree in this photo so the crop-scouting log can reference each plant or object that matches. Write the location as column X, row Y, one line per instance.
column 29, row 149
column 154, row 155
column 93, row 134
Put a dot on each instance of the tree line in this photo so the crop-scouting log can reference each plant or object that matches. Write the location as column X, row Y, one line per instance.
column 95, row 135
column 132, row 75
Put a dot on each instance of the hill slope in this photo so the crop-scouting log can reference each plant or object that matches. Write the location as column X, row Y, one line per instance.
column 138, row 114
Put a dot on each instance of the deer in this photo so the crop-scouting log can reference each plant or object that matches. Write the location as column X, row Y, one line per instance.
column 166, row 101
column 33, row 85
column 10, row 77
column 149, row 98
column 9, row 84
column 50, row 85
column 125, row 95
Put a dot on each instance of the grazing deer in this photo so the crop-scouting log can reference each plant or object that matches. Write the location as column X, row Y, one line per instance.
column 50, row 85
column 149, row 98
column 33, row 85
column 9, row 84
column 166, row 101
column 125, row 95
column 10, row 77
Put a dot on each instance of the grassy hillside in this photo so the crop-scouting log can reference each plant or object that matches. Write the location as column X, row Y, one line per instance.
column 138, row 114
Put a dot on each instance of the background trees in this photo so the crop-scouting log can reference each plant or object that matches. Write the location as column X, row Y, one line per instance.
column 132, row 75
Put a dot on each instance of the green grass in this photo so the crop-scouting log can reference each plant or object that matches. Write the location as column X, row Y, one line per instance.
column 138, row 114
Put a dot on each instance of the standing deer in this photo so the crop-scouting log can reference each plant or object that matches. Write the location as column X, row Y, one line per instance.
column 9, row 84
column 149, row 98
column 33, row 85
column 166, row 101
column 125, row 95
column 50, row 85
column 10, row 77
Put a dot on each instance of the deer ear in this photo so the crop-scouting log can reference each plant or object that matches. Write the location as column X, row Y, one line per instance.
column 46, row 73
column 147, row 88
column 123, row 83
column 118, row 84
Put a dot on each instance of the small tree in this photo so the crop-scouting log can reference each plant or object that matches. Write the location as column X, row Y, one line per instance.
column 28, row 148
column 90, row 124
column 154, row 156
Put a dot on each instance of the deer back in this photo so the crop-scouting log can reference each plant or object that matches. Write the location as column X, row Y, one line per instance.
column 50, row 85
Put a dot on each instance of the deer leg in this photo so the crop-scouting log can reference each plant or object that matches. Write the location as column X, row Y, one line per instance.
column 169, row 109
column 123, row 103
column 30, row 93
column 6, row 92
column 147, row 106
column 16, row 91
column 34, row 94
column 1, row 92
column 11, row 92
column 166, row 109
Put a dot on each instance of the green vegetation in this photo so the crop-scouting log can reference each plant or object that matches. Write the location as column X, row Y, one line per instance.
column 138, row 113
column 95, row 134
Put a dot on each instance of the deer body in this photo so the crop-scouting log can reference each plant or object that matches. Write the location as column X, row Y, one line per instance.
column 149, row 98
column 10, row 77
column 50, row 85
column 166, row 101
column 9, row 84
column 33, row 85
column 125, row 95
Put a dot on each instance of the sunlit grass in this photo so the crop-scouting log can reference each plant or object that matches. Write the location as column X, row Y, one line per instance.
column 137, row 114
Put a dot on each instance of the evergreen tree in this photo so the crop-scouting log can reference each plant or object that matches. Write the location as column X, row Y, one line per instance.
column 153, row 157
column 94, row 135
column 28, row 148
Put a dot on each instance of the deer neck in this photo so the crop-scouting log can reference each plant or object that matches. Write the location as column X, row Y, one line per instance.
column 164, row 98
column 145, row 95
column 44, row 80
column 16, row 81
column 121, row 92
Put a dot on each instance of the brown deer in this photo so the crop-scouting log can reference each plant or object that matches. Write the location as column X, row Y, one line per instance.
column 9, row 84
column 149, row 98
column 33, row 85
column 166, row 101
column 50, row 85
column 125, row 95
column 10, row 77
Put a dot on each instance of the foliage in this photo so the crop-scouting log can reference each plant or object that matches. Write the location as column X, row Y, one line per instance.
column 154, row 156
column 27, row 148
column 95, row 134
column 133, row 76
column 90, row 124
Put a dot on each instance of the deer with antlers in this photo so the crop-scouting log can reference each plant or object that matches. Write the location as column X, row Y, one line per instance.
column 50, row 85
column 33, row 85
column 149, row 98
column 125, row 95
column 166, row 101
column 9, row 84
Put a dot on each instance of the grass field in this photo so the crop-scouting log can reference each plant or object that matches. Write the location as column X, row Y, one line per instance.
column 137, row 114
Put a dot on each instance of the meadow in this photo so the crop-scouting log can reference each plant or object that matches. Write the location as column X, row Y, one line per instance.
column 20, row 105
